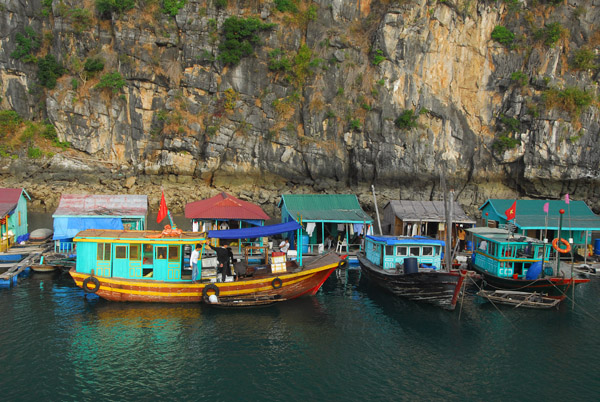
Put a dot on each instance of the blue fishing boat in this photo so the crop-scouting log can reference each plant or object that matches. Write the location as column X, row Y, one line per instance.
column 517, row 262
column 411, row 267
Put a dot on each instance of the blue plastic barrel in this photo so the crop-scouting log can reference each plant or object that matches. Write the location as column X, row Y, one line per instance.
column 597, row 247
column 469, row 245
column 534, row 271
column 411, row 265
column 305, row 240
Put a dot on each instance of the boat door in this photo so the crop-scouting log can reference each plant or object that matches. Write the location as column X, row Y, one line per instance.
column 103, row 260
column 174, row 263
column 147, row 261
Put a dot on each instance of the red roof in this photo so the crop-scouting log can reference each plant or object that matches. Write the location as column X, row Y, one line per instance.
column 9, row 198
column 224, row 206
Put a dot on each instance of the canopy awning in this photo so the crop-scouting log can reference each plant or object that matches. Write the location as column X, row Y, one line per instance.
column 258, row 231
column 67, row 228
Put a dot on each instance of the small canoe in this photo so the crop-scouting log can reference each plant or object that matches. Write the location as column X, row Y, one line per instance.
column 586, row 269
column 520, row 299
column 242, row 302
column 40, row 234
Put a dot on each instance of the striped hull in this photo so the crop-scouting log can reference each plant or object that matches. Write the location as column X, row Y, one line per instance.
column 438, row 288
column 305, row 282
column 551, row 285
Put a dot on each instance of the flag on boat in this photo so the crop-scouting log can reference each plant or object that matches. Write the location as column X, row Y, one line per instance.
column 162, row 209
column 546, row 207
column 567, row 198
column 511, row 212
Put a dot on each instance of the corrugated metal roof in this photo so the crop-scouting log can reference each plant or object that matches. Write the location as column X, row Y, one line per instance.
column 325, row 207
column 123, row 205
column 224, row 206
column 9, row 198
column 427, row 211
column 530, row 214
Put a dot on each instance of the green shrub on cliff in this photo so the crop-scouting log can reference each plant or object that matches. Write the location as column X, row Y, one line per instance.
column 503, row 35
column 572, row 99
column 113, row 81
column 286, row 5
column 49, row 70
column 94, row 64
column 9, row 122
column 172, row 7
column 504, row 143
column 240, row 38
column 27, row 44
column 584, row 59
column 406, row 120
column 107, row 7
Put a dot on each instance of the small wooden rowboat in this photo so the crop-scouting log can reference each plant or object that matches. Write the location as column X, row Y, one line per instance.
column 242, row 302
column 521, row 299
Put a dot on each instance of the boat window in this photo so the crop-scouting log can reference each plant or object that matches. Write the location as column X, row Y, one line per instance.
column 389, row 250
column 414, row 251
column 121, row 252
column 161, row 253
column 134, row 252
column 103, row 252
column 147, row 254
column 492, row 248
column 427, row 250
column 174, row 253
column 402, row 251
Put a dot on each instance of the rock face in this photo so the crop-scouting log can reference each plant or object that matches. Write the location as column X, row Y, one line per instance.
column 330, row 121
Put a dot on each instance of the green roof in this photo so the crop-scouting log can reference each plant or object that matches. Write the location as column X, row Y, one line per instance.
column 530, row 214
column 324, row 208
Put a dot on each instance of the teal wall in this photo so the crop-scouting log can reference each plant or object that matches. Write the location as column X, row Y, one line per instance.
column 13, row 220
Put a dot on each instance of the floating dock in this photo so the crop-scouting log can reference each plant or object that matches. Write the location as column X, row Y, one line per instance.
column 17, row 260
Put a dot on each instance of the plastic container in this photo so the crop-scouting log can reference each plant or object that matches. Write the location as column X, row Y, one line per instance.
column 597, row 247
column 411, row 265
column 469, row 245
column 305, row 240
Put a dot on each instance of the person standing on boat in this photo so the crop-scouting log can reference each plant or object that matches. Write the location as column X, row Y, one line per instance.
column 223, row 258
column 284, row 246
column 461, row 238
column 194, row 262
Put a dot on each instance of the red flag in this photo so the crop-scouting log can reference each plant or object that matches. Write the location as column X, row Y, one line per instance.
column 511, row 212
column 162, row 209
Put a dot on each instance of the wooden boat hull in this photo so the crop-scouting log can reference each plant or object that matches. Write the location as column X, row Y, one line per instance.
column 439, row 288
column 285, row 285
column 550, row 285
column 521, row 299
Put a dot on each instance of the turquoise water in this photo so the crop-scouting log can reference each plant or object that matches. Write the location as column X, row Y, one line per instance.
column 349, row 342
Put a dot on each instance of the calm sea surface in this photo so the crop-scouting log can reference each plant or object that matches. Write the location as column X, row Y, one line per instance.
column 350, row 342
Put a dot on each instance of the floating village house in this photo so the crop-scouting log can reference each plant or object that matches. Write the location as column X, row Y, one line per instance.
column 222, row 212
column 77, row 212
column 13, row 216
column 422, row 218
column 531, row 219
column 328, row 220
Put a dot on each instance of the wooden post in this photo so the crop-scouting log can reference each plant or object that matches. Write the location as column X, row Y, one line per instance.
column 376, row 210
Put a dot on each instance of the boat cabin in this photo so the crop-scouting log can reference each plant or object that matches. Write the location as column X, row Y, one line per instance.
column 506, row 255
column 134, row 254
column 13, row 216
column 390, row 252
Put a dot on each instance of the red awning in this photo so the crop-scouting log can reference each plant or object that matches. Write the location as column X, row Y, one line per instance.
column 224, row 206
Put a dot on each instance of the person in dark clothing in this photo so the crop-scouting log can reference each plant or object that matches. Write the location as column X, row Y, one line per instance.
column 224, row 256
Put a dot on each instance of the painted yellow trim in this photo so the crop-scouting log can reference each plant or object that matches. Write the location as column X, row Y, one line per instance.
column 506, row 259
column 300, row 276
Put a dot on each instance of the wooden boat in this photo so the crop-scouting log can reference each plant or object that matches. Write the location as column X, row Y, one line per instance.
column 411, row 267
column 521, row 299
column 40, row 234
column 242, row 301
column 586, row 269
column 149, row 266
column 517, row 262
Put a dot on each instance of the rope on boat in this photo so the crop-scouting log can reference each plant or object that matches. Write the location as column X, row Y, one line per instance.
column 496, row 307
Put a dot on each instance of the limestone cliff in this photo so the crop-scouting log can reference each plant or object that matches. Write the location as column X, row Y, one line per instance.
column 338, row 95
